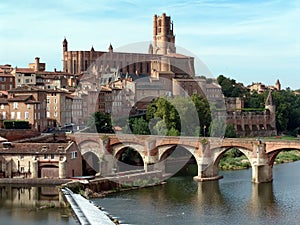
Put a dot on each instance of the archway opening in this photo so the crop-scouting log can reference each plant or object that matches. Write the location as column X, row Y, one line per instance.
column 90, row 164
column 285, row 156
column 178, row 161
column 129, row 159
column 48, row 171
column 233, row 159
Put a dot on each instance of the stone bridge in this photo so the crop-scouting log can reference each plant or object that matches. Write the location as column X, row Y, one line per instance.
column 154, row 150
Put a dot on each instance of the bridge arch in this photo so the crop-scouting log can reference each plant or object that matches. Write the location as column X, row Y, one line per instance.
column 128, row 156
column 90, row 146
column 219, row 153
column 274, row 153
column 172, row 158
column 163, row 150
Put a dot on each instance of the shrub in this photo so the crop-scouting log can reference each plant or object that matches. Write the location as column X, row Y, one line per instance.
column 16, row 124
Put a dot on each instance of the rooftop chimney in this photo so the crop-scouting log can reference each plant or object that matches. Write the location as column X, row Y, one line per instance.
column 37, row 64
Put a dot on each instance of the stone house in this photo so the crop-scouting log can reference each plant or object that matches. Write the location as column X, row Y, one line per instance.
column 40, row 160
column 25, row 103
column 7, row 80
column 59, row 107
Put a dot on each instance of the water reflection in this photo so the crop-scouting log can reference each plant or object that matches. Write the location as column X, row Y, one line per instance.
column 233, row 200
column 208, row 193
column 33, row 204
column 28, row 196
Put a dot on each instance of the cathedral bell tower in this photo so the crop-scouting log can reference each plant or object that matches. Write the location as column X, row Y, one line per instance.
column 65, row 54
column 163, row 36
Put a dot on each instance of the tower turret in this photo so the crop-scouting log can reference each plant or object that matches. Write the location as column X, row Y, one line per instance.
column 269, row 104
column 278, row 85
column 150, row 49
column 65, row 45
column 110, row 48
column 163, row 37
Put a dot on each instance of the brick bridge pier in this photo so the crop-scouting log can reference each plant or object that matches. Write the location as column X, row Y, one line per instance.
column 207, row 152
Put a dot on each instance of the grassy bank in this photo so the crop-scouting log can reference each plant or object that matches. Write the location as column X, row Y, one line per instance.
column 235, row 160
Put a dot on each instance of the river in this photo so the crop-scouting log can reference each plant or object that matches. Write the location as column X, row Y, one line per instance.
column 33, row 205
column 232, row 200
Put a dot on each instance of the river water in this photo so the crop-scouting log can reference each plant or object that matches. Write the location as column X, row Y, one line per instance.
column 33, row 205
column 232, row 200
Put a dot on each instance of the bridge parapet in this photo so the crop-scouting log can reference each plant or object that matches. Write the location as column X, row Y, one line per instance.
column 207, row 151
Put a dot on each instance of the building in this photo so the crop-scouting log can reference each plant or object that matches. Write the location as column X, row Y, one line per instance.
column 24, row 76
column 252, row 123
column 76, row 109
column 261, row 88
column 161, row 61
column 25, row 103
column 40, row 160
column 59, row 107
column 7, row 80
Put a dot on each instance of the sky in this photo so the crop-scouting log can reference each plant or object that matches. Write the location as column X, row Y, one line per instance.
column 249, row 41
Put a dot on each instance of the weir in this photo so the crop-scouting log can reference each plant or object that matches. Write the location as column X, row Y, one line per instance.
column 86, row 212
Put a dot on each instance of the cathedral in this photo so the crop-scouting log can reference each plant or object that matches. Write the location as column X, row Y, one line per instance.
column 160, row 72
column 161, row 56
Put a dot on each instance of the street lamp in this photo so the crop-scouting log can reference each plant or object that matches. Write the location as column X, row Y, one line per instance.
column 204, row 127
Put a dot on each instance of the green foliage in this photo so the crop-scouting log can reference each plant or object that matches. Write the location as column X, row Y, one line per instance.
column 287, row 156
column 217, row 127
column 230, row 88
column 234, row 159
column 179, row 116
column 16, row 124
column 100, row 122
column 139, row 126
column 230, row 132
column 286, row 101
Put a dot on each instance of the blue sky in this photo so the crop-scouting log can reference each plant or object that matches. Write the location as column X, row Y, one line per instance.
column 245, row 40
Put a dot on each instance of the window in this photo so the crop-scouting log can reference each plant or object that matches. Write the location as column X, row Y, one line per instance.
column 22, row 169
column 45, row 156
column 73, row 155
column 26, row 115
column 12, row 115
column 48, row 100
column 15, row 105
column 52, row 156
column 4, row 115
column 55, row 114
column 2, row 106
column 55, row 100
column 28, row 106
column 18, row 115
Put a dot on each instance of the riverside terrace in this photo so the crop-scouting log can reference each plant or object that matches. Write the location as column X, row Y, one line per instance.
column 153, row 150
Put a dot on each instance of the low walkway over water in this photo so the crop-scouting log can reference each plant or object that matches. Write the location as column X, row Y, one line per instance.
column 86, row 212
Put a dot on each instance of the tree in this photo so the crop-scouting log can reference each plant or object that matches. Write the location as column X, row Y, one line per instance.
column 230, row 87
column 204, row 112
column 100, row 122
column 139, row 126
column 230, row 132
column 179, row 115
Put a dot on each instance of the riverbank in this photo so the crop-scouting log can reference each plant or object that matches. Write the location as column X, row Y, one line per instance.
column 235, row 160
column 123, row 181
column 34, row 181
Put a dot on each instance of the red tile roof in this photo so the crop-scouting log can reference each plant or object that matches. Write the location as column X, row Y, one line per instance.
column 20, row 98
column 24, row 70
column 36, row 148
